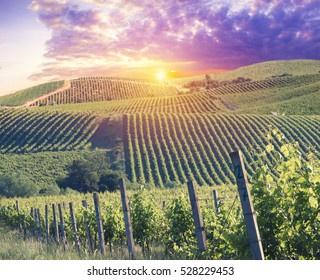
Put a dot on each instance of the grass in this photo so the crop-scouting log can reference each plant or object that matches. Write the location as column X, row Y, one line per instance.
column 22, row 96
column 43, row 168
column 303, row 100
column 13, row 247
column 262, row 70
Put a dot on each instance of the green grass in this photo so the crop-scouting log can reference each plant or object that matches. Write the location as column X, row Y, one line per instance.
column 263, row 70
column 13, row 247
column 42, row 168
column 22, row 96
column 290, row 100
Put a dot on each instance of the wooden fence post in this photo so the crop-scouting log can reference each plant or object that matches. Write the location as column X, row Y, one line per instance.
column 74, row 227
column 55, row 224
column 216, row 203
column 36, row 228
column 102, row 245
column 90, row 247
column 18, row 211
column 46, row 210
column 63, row 233
column 247, row 206
column 163, row 205
column 197, row 217
column 39, row 223
column 127, row 220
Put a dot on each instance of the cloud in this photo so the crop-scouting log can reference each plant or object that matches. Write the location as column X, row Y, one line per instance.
column 210, row 34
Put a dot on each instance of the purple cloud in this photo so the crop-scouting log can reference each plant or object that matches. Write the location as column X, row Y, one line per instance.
column 211, row 34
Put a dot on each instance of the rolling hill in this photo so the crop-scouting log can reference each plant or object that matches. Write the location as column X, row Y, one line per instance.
column 160, row 134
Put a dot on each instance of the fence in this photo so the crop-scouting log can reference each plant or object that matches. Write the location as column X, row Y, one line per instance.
column 58, row 233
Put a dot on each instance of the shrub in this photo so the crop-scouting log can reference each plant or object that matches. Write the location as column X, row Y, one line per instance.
column 288, row 204
column 17, row 185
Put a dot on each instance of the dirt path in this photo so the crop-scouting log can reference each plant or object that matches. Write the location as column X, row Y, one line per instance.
column 228, row 105
column 65, row 86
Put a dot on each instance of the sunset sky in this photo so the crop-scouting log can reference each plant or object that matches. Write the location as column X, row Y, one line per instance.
column 42, row 40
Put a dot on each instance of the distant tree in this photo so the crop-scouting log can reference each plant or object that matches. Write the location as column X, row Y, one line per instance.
column 84, row 175
column 109, row 182
column 17, row 185
column 90, row 175
column 207, row 80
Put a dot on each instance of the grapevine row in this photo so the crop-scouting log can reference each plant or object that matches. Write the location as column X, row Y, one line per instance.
column 185, row 147
column 37, row 131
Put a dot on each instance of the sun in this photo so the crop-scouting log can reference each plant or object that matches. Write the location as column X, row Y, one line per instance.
column 161, row 76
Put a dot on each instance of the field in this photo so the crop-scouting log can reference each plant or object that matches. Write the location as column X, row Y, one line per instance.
column 162, row 135
column 22, row 96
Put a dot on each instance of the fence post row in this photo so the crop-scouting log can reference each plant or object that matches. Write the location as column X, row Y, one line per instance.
column 127, row 220
column 247, row 206
column 99, row 223
column 90, row 247
column 197, row 217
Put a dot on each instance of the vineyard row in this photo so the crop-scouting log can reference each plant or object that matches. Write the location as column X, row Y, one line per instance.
column 31, row 131
column 163, row 148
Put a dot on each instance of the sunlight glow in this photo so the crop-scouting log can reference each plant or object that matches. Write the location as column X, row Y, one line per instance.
column 161, row 76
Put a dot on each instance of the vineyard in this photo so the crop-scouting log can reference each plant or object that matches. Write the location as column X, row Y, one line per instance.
column 264, row 70
column 25, row 131
column 161, row 220
column 22, row 96
column 94, row 89
column 158, row 219
column 196, row 146
column 159, row 136
column 182, row 103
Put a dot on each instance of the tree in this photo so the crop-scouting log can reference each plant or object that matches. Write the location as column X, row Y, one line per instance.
column 17, row 185
column 90, row 175
column 109, row 182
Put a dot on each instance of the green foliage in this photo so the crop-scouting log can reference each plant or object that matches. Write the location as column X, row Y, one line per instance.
column 30, row 131
column 226, row 233
column 288, row 204
column 17, row 185
column 109, row 182
column 169, row 149
column 90, row 174
column 179, row 236
column 114, row 229
column 43, row 168
column 144, row 219
column 22, row 96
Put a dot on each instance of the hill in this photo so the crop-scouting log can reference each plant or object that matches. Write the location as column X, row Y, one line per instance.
column 163, row 148
column 293, row 95
column 161, row 135
column 22, row 96
column 264, row 70
column 31, row 131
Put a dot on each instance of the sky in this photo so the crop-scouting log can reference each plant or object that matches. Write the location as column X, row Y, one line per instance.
column 44, row 40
